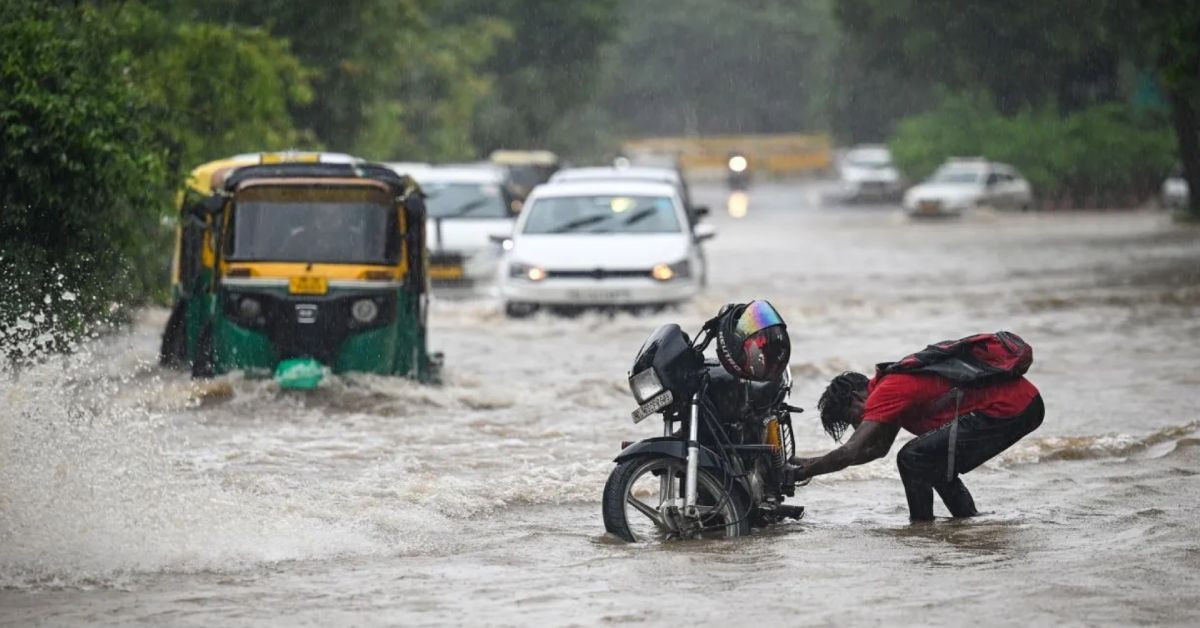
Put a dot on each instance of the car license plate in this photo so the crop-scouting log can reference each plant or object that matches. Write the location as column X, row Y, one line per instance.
column 308, row 284
column 652, row 406
column 601, row 296
column 929, row 207
column 445, row 271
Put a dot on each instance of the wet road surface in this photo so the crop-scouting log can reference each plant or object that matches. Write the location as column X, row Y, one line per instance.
column 128, row 494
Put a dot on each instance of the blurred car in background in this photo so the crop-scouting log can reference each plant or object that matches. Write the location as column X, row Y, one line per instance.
column 465, row 206
column 962, row 184
column 1175, row 190
column 866, row 172
column 525, row 170
column 650, row 174
column 602, row 243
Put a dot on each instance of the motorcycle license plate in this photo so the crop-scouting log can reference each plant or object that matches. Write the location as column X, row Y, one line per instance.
column 307, row 284
column 652, row 406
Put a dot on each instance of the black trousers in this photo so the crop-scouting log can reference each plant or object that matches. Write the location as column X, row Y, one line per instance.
column 925, row 461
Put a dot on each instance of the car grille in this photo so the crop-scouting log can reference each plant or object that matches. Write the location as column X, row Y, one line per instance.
column 598, row 274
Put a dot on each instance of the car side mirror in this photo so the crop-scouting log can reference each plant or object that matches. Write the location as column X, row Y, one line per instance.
column 705, row 231
column 700, row 211
column 502, row 239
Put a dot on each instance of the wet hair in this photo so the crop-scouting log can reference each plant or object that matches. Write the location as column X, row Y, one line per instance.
column 835, row 402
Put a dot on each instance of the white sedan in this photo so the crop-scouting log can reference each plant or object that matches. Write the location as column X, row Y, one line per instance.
column 963, row 184
column 612, row 243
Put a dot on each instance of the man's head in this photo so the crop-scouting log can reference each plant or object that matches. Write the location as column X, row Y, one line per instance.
column 841, row 404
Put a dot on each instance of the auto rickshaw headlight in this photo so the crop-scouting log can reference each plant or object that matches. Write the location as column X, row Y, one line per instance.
column 364, row 310
column 249, row 308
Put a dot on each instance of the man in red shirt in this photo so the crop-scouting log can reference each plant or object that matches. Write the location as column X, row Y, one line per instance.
column 957, row 430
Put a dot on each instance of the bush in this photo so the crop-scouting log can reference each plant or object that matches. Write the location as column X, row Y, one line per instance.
column 1103, row 156
column 82, row 180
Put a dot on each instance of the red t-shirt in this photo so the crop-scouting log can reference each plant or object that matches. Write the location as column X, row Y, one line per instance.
column 920, row 403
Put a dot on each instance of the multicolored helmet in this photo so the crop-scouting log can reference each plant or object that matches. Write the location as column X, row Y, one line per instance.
column 752, row 341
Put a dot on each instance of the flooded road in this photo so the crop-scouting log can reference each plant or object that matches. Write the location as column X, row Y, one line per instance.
column 129, row 495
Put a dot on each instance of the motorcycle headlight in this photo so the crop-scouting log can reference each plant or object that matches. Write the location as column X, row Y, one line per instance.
column 645, row 385
column 364, row 310
column 526, row 271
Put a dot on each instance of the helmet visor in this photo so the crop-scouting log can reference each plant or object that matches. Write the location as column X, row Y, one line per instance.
column 757, row 316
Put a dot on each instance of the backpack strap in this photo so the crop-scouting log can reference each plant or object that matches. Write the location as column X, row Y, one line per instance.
column 958, row 395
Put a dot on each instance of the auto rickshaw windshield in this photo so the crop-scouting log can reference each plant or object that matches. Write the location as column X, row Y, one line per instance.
column 319, row 225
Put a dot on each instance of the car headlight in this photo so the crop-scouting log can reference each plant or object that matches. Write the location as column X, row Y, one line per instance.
column 364, row 310
column 526, row 271
column 645, row 385
column 666, row 272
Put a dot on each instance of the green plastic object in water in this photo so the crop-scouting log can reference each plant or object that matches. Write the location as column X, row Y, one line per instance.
column 299, row 373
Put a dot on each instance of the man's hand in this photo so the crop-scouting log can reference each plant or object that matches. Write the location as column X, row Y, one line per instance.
column 869, row 441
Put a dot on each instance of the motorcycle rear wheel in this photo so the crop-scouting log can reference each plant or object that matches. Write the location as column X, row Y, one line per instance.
column 635, row 490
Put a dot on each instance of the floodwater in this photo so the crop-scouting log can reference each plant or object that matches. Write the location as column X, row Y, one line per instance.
column 130, row 495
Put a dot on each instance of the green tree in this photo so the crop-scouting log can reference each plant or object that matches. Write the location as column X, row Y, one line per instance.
column 82, row 179
column 215, row 90
column 709, row 66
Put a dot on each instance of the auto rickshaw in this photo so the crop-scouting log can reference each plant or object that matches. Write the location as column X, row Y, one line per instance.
column 298, row 266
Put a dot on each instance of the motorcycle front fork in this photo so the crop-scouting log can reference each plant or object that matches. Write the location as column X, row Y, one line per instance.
column 667, row 486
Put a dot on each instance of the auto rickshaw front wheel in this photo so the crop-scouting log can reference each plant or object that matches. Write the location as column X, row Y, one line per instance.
column 202, row 364
column 172, row 353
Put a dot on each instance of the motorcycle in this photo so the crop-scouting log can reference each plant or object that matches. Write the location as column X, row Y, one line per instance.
column 738, row 172
column 725, row 470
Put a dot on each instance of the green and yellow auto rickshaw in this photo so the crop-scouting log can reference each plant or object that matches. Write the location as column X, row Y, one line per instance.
column 300, row 265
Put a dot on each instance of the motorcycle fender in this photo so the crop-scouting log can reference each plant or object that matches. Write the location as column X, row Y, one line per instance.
column 673, row 447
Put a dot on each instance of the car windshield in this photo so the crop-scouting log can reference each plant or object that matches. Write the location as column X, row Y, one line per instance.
column 957, row 175
column 312, row 224
column 464, row 200
column 602, row 214
column 869, row 159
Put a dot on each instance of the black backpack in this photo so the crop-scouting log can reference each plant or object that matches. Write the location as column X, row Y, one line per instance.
column 969, row 362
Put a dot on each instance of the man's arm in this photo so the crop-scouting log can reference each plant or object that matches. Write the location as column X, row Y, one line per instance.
column 870, row 441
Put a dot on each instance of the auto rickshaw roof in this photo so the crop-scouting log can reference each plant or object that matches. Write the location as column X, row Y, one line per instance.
column 207, row 177
column 318, row 172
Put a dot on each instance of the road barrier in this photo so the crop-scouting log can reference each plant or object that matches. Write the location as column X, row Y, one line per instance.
column 775, row 154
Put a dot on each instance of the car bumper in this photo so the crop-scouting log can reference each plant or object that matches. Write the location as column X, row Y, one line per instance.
column 591, row 292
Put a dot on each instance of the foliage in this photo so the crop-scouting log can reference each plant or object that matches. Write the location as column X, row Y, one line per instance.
column 214, row 90
column 710, row 66
column 81, row 177
column 544, row 72
column 1105, row 155
column 388, row 82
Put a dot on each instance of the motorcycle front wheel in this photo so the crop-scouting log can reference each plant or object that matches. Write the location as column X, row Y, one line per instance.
column 637, row 489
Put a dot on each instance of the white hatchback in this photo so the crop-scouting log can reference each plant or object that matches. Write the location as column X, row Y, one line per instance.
column 611, row 243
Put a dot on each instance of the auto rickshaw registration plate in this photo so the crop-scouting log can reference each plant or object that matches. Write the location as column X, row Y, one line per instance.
column 307, row 284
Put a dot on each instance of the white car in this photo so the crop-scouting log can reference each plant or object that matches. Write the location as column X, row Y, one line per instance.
column 963, row 184
column 611, row 243
column 867, row 172
column 465, row 206
column 654, row 174
column 1175, row 190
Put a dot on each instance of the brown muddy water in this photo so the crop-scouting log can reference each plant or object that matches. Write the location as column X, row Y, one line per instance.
column 129, row 495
